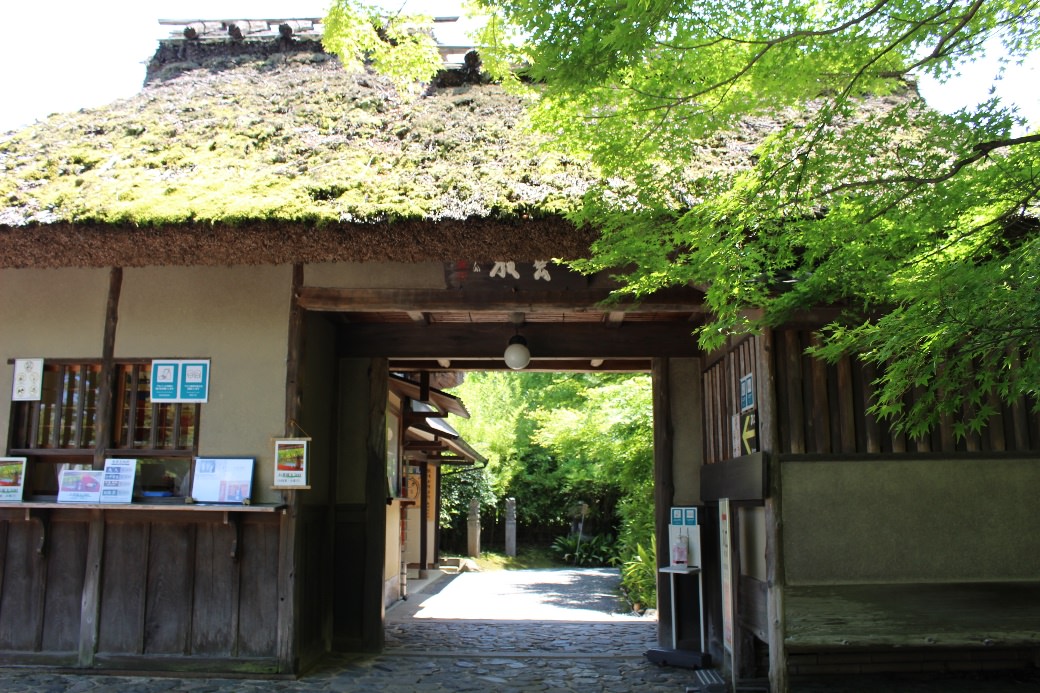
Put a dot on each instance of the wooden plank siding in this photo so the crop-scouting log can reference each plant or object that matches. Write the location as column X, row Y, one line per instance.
column 168, row 586
column 721, row 396
column 823, row 408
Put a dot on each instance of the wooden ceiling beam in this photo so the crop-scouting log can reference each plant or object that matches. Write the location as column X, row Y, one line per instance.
column 545, row 340
column 541, row 365
column 418, row 301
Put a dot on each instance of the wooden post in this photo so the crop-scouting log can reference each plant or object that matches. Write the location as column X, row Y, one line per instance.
column 424, row 511
column 664, row 491
column 288, row 588
column 774, row 520
column 372, row 634
column 90, row 604
column 107, row 375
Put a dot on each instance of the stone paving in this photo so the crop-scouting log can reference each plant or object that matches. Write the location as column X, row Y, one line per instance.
column 581, row 642
column 561, row 654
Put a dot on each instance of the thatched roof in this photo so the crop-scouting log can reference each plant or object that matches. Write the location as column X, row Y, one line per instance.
column 284, row 157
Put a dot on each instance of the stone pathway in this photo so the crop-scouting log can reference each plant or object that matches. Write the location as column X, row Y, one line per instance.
column 463, row 634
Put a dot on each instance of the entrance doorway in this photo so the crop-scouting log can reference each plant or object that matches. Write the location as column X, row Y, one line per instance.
column 366, row 334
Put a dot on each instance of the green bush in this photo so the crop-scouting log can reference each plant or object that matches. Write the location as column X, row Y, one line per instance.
column 639, row 576
column 596, row 550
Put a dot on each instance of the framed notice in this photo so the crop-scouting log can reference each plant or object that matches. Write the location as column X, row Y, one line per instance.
column 12, row 478
column 222, row 480
column 28, row 380
column 290, row 463
column 80, row 485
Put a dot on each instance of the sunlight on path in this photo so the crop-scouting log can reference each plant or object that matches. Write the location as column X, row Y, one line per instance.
column 585, row 595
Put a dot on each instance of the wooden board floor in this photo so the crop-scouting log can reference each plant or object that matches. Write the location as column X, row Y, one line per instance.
column 913, row 615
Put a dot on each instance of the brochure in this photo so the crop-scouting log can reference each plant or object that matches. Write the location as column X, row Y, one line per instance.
column 222, row 480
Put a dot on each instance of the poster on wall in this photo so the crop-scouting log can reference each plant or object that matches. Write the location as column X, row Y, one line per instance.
column 12, row 478
column 180, row 380
column 118, row 483
column 290, row 463
column 80, row 485
column 28, row 380
column 222, row 480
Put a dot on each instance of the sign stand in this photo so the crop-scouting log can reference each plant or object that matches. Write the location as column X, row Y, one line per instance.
column 684, row 548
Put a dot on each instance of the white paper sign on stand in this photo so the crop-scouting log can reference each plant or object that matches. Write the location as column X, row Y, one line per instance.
column 118, row 484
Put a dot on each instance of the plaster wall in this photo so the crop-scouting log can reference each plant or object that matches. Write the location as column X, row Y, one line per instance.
column 239, row 318
column 923, row 520
column 684, row 387
column 375, row 275
column 753, row 541
column 57, row 313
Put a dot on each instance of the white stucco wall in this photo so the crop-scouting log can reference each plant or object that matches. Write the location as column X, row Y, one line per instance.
column 49, row 314
column 239, row 318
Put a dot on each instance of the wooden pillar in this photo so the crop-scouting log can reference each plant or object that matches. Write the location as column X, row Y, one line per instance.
column 664, row 490
column 424, row 511
column 770, row 442
column 288, row 588
column 373, row 609
column 90, row 603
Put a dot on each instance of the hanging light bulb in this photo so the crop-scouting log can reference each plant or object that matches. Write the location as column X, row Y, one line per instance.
column 517, row 354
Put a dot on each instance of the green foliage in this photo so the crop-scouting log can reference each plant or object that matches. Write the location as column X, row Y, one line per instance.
column 555, row 440
column 458, row 488
column 398, row 46
column 921, row 227
column 586, row 551
column 639, row 575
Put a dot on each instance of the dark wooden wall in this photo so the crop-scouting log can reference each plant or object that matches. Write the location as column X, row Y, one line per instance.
column 721, row 395
column 168, row 584
column 822, row 408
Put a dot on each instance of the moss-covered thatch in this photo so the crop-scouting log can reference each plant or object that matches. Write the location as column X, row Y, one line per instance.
column 291, row 158
column 292, row 137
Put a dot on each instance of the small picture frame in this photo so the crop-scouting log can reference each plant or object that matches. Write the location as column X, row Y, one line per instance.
column 290, row 463
column 12, row 479
column 222, row 480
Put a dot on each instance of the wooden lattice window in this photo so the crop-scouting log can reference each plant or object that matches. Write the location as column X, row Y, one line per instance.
column 61, row 428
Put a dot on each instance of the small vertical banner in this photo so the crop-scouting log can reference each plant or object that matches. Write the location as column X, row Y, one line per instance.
column 290, row 463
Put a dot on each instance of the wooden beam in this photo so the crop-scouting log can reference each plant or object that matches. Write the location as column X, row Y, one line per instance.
column 556, row 340
column 514, row 300
column 539, row 365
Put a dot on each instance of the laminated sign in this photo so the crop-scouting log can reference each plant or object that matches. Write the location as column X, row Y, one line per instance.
column 180, row 380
